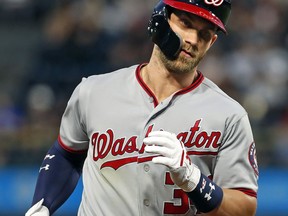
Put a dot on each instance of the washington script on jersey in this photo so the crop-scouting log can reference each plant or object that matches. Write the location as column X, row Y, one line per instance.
column 105, row 143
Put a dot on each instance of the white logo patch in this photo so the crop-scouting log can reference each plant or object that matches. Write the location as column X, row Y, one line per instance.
column 208, row 195
column 49, row 156
column 214, row 2
column 46, row 167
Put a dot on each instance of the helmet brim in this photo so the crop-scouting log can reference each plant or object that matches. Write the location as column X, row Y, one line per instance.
column 201, row 12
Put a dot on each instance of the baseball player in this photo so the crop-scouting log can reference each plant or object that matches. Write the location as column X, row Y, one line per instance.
column 157, row 138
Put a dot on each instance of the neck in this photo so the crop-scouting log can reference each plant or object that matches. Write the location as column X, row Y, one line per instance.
column 164, row 83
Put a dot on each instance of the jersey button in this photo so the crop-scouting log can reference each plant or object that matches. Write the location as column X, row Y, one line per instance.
column 151, row 100
column 146, row 168
column 146, row 202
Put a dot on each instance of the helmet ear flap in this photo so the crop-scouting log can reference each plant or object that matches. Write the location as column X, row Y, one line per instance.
column 161, row 34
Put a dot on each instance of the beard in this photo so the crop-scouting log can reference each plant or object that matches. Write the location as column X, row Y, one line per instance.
column 182, row 64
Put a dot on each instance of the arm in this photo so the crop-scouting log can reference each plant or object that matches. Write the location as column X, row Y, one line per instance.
column 223, row 202
column 235, row 203
column 58, row 177
column 208, row 197
column 62, row 166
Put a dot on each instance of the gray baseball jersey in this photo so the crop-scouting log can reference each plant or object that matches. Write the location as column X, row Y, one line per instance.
column 110, row 114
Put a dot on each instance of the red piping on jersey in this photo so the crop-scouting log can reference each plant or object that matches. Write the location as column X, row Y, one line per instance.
column 65, row 147
column 249, row 192
column 144, row 86
column 189, row 88
column 193, row 86
column 201, row 153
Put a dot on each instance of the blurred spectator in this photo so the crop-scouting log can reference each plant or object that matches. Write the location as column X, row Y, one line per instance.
column 11, row 121
column 74, row 46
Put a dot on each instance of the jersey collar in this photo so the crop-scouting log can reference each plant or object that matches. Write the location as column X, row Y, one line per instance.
column 189, row 88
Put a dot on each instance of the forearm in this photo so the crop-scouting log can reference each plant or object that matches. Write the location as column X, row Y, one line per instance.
column 235, row 203
column 58, row 177
column 212, row 200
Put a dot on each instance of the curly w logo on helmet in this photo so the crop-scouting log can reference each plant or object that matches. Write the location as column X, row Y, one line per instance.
column 214, row 2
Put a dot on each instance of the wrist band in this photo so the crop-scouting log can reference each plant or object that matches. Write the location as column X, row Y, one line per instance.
column 207, row 195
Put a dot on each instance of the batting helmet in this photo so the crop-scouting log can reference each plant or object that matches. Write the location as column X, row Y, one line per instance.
column 215, row 11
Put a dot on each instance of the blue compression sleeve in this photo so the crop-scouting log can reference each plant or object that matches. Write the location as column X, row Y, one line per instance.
column 58, row 176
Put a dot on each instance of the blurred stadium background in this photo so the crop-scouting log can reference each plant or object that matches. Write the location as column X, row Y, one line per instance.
column 47, row 46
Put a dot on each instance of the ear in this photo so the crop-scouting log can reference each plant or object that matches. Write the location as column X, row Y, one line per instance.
column 214, row 38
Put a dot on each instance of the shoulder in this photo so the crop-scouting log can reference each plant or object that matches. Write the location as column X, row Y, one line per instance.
column 225, row 108
column 220, row 99
column 113, row 79
column 123, row 72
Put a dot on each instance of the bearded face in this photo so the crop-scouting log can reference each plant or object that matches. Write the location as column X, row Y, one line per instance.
column 186, row 61
column 197, row 36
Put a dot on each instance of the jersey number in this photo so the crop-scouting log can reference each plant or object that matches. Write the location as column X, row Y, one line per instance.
column 173, row 208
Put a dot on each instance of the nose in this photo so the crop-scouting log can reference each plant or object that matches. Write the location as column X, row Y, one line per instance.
column 191, row 37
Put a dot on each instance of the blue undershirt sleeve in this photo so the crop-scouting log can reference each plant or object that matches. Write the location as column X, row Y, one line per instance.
column 58, row 176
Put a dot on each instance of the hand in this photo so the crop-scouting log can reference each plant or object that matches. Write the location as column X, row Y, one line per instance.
column 173, row 154
column 38, row 210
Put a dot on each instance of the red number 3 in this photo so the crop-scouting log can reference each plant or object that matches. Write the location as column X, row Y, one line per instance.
column 173, row 208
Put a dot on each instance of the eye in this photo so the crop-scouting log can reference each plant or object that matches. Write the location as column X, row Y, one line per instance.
column 206, row 35
column 184, row 21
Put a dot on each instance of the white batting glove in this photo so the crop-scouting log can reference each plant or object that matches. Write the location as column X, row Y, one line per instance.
column 38, row 210
column 173, row 154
